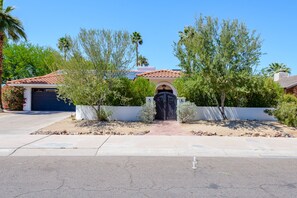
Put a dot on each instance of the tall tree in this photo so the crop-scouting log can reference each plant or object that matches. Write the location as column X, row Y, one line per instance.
column 136, row 40
column 142, row 61
column 275, row 68
column 223, row 54
column 64, row 45
column 10, row 27
column 99, row 58
column 24, row 60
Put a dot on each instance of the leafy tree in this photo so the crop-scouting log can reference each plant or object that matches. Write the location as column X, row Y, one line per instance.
column 194, row 89
column 126, row 92
column 142, row 61
column 136, row 40
column 142, row 88
column 64, row 45
column 261, row 92
column 275, row 68
column 26, row 60
column 224, row 54
column 10, row 27
column 97, row 58
column 122, row 93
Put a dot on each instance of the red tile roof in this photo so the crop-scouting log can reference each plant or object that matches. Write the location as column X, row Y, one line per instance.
column 161, row 74
column 50, row 79
column 53, row 78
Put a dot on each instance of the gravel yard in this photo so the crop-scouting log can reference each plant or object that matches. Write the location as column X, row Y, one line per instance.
column 197, row 128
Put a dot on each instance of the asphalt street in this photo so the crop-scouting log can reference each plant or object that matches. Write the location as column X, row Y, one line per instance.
column 147, row 177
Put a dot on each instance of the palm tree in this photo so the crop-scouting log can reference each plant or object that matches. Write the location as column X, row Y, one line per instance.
column 10, row 27
column 142, row 61
column 276, row 67
column 137, row 40
column 64, row 45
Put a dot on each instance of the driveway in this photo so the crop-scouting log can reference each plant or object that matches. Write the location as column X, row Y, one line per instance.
column 23, row 123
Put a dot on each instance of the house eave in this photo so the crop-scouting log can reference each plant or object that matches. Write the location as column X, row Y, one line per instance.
column 34, row 85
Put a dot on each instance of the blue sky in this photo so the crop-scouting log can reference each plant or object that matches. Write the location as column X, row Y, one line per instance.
column 159, row 22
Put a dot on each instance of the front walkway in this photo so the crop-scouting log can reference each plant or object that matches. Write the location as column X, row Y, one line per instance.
column 167, row 128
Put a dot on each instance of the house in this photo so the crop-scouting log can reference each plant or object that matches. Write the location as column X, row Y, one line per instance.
column 40, row 92
column 289, row 83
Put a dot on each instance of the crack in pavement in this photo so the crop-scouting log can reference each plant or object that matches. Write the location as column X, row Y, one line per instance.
column 102, row 145
column 27, row 145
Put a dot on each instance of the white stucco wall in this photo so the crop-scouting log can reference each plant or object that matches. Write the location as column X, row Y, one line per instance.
column 119, row 113
column 233, row 113
column 28, row 98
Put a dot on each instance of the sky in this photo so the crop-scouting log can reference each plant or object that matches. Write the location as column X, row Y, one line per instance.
column 159, row 22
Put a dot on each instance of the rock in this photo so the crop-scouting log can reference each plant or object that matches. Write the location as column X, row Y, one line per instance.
column 256, row 134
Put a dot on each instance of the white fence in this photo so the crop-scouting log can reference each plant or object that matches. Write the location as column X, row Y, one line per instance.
column 131, row 113
column 233, row 113
column 120, row 113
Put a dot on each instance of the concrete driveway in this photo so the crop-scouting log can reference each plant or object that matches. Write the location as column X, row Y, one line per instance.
column 23, row 123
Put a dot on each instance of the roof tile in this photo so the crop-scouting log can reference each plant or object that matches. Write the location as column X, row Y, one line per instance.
column 161, row 74
column 51, row 79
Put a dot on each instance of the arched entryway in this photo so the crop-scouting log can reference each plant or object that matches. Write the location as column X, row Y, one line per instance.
column 165, row 87
column 165, row 105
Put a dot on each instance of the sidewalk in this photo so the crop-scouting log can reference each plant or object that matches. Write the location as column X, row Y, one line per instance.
column 58, row 145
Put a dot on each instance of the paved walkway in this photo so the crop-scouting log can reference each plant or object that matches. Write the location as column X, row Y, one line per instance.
column 55, row 145
column 167, row 128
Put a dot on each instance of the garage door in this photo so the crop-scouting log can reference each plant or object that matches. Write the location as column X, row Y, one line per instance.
column 46, row 100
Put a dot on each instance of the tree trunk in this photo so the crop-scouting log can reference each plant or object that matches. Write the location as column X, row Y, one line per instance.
column 222, row 108
column 65, row 56
column 136, row 54
column 1, row 67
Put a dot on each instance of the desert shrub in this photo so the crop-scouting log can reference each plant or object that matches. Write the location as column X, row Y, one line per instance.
column 286, row 111
column 186, row 112
column 148, row 112
column 13, row 98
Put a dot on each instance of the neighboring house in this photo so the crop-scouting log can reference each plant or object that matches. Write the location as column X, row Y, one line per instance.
column 40, row 92
column 289, row 83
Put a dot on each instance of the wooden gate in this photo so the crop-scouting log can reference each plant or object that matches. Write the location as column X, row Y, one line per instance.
column 165, row 106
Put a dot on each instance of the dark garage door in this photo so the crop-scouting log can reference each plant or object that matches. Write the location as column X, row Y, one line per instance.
column 46, row 100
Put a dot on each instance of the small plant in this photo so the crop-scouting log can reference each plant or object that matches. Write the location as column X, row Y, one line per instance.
column 13, row 98
column 148, row 112
column 186, row 112
column 286, row 111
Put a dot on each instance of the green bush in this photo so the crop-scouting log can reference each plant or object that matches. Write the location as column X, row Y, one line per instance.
column 125, row 92
column 148, row 112
column 286, row 111
column 258, row 91
column 186, row 112
column 13, row 98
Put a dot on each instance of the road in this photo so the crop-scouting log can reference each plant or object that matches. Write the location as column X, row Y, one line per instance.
column 23, row 123
column 147, row 177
